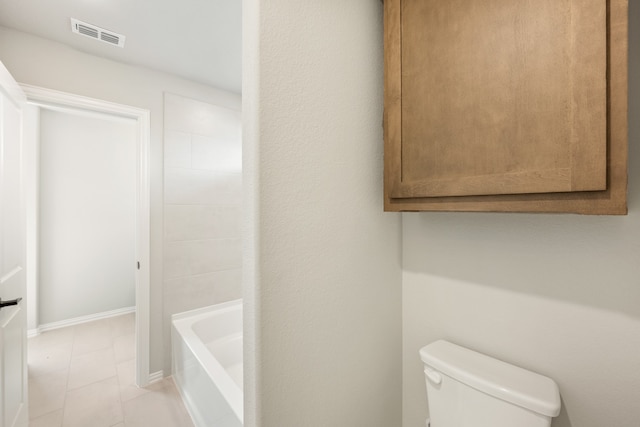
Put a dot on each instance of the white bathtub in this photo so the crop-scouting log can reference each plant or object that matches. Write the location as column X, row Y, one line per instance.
column 207, row 363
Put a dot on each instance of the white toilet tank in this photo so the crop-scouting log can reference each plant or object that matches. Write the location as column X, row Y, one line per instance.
column 469, row 389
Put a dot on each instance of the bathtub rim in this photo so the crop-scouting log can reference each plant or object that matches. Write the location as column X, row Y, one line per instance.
column 222, row 306
column 182, row 323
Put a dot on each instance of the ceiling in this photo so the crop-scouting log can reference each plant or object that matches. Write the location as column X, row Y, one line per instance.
column 200, row 40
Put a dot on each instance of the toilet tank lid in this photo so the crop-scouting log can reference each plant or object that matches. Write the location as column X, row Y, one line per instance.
column 494, row 377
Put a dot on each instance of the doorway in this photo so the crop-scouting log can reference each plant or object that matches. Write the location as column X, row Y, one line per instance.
column 54, row 103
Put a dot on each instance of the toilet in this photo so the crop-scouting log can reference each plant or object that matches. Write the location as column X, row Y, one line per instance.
column 470, row 389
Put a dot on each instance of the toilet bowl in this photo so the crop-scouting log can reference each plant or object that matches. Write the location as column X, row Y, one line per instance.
column 470, row 389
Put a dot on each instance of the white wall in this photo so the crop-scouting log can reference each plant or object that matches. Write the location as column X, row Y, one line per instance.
column 39, row 62
column 323, row 286
column 202, row 204
column 87, row 215
column 557, row 294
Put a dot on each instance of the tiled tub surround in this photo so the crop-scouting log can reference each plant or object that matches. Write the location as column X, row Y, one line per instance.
column 83, row 375
column 202, row 202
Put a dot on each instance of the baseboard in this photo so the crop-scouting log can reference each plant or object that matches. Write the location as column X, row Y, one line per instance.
column 156, row 376
column 79, row 320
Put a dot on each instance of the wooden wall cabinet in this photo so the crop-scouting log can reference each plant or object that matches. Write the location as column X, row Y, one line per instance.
column 506, row 105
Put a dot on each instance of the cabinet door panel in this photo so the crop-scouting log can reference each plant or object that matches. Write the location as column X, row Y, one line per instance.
column 506, row 105
column 502, row 97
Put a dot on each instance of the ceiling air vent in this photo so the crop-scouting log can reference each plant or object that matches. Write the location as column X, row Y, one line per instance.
column 97, row 33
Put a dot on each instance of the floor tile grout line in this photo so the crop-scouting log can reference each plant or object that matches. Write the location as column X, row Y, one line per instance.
column 115, row 364
column 66, row 385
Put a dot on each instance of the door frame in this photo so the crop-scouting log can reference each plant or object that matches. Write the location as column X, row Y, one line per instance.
column 76, row 104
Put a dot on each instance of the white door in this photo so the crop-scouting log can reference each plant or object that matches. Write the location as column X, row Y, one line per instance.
column 13, row 318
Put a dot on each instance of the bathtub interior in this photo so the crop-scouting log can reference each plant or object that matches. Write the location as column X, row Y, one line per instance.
column 228, row 352
column 220, row 323
column 207, row 364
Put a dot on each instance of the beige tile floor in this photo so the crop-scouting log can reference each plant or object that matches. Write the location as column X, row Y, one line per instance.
column 83, row 376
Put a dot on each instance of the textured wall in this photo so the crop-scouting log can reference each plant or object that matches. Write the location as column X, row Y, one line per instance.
column 324, row 283
column 557, row 294
column 40, row 62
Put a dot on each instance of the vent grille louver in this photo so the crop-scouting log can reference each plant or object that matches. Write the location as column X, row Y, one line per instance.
column 87, row 31
column 97, row 33
column 109, row 38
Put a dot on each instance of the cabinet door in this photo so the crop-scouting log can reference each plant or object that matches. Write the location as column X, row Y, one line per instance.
column 505, row 105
